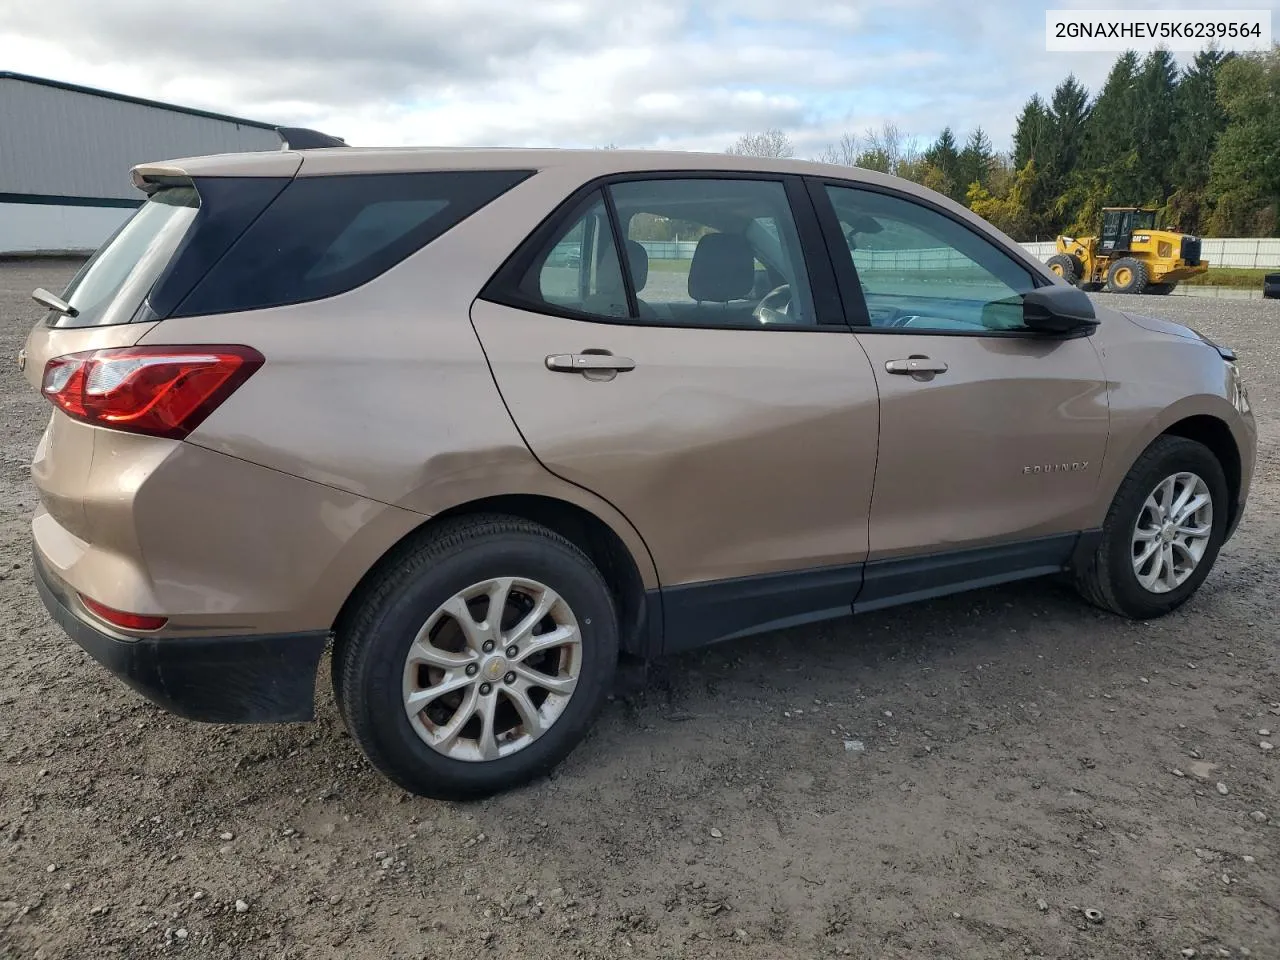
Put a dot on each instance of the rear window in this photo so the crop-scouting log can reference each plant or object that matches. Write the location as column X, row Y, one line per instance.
column 112, row 285
column 325, row 235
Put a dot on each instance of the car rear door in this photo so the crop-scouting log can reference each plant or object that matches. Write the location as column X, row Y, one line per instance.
column 991, row 436
column 739, row 442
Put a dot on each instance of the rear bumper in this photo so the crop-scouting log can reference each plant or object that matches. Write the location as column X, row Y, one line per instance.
column 254, row 679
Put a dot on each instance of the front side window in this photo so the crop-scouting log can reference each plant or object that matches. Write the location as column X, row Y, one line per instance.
column 921, row 270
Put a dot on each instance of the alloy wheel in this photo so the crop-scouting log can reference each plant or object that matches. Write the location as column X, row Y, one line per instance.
column 1172, row 532
column 492, row 669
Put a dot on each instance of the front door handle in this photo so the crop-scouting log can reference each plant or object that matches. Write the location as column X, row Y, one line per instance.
column 589, row 363
column 916, row 366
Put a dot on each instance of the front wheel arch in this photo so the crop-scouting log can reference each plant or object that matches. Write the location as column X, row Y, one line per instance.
column 1213, row 433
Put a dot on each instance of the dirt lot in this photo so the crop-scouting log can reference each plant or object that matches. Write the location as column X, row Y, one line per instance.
column 1018, row 769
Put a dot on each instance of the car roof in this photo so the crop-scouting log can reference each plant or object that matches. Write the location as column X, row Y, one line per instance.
column 333, row 160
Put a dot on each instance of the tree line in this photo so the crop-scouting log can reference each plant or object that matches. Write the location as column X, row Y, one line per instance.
column 1200, row 144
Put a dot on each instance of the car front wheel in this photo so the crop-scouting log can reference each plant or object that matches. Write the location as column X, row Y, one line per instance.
column 478, row 660
column 1162, row 533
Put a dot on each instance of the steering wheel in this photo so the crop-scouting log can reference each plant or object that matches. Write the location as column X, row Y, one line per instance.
column 775, row 307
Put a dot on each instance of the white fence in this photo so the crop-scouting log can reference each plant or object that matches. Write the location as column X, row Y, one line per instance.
column 669, row 249
column 1248, row 252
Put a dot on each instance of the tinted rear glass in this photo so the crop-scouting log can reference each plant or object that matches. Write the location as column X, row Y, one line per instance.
column 325, row 235
column 114, row 282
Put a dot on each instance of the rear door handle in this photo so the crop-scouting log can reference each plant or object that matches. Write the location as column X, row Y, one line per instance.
column 589, row 363
column 915, row 366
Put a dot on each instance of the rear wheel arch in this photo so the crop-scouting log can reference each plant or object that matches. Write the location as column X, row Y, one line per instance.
column 638, row 634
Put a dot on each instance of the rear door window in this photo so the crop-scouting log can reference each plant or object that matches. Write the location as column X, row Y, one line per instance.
column 114, row 282
column 325, row 235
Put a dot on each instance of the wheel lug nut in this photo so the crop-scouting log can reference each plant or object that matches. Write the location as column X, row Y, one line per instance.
column 485, row 689
column 472, row 669
column 510, row 677
column 488, row 646
column 513, row 652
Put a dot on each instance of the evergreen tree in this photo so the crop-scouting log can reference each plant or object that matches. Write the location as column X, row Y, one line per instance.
column 1155, row 110
column 1105, row 173
column 1033, row 144
column 974, row 162
column 1068, row 116
column 1031, row 137
column 944, row 157
column 1198, row 123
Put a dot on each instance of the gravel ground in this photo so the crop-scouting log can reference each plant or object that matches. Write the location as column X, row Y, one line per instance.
column 1027, row 760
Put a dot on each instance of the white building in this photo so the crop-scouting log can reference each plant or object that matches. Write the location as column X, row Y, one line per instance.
column 66, row 152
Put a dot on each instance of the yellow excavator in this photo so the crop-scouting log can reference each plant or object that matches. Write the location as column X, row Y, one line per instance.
column 1129, row 255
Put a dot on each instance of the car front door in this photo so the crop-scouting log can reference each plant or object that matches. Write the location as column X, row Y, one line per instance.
column 991, row 436
column 735, row 429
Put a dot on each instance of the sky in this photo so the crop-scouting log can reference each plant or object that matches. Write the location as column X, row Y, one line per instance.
column 681, row 74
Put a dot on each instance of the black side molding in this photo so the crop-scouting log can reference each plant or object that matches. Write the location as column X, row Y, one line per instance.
column 697, row 614
column 888, row 583
column 703, row 613
column 300, row 138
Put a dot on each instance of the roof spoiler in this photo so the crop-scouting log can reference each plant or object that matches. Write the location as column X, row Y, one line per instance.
column 300, row 138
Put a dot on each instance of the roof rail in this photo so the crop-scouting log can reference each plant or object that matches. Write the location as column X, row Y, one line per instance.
column 300, row 138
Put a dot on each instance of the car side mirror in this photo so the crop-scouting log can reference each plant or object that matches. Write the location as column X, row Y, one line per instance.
column 1058, row 310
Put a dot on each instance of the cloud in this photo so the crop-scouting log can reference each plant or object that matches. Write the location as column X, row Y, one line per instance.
column 679, row 73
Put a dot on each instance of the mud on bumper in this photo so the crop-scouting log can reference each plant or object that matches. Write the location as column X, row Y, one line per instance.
column 252, row 679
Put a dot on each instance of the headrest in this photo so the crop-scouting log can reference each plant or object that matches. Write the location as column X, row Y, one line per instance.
column 723, row 268
column 638, row 261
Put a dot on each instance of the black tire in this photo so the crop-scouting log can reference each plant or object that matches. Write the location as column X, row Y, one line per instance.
column 1068, row 266
column 1108, row 579
column 1160, row 289
column 1137, row 272
column 370, row 651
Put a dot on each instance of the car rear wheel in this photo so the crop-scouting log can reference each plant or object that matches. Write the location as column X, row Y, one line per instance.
column 478, row 660
column 1162, row 533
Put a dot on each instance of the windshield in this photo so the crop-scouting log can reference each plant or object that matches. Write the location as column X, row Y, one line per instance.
column 110, row 287
column 1144, row 220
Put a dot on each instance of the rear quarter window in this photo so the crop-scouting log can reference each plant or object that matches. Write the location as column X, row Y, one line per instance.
column 326, row 235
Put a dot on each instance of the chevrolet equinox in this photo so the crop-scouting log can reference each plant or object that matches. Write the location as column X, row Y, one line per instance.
column 488, row 420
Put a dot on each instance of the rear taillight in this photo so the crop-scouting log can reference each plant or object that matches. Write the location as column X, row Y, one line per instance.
column 162, row 391
column 118, row 618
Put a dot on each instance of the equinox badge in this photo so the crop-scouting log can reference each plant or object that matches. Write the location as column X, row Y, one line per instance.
column 1075, row 466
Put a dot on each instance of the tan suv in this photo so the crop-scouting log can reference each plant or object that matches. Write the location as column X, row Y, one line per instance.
column 491, row 419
